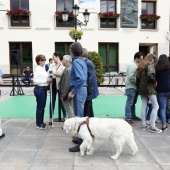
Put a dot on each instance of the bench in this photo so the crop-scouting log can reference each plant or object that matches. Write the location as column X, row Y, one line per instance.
column 115, row 79
column 14, row 81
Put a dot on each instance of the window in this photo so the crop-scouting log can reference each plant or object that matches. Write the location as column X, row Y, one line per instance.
column 63, row 47
column 148, row 8
column 108, row 6
column 109, row 53
column 60, row 5
column 20, row 20
column 20, row 4
column 20, row 56
column 108, row 23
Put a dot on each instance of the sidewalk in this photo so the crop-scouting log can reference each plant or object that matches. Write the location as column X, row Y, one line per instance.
column 27, row 148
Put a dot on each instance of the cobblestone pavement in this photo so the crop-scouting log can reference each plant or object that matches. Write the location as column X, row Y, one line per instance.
column 27, row 148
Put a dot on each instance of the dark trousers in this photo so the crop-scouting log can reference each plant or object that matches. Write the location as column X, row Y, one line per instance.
column 88, row 109
column 54, row 94
column 148, row 111
column 41, row 96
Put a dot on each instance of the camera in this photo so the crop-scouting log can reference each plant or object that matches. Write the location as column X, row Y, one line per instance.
column 51, row 74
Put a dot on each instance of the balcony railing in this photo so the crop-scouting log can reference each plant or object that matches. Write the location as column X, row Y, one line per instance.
column 20, row 21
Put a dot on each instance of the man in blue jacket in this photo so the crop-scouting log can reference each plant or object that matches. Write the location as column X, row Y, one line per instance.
column 78, row 83
column 92, row 89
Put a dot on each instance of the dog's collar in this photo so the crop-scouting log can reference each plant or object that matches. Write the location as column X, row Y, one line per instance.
column 87, row 123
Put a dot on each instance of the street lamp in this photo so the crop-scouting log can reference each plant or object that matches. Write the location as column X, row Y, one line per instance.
column 76, row 13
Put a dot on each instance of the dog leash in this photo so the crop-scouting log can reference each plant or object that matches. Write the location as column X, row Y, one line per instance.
column 87, row 123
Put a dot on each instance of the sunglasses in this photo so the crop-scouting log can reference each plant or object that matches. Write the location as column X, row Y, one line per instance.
column 43, row 59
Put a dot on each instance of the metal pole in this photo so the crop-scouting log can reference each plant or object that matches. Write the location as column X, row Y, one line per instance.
column 75, row 25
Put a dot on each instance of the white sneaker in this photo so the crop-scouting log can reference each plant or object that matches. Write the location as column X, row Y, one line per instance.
column 144, row 127
column 155, row 130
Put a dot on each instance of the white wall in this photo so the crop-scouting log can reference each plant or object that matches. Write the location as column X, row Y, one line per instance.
column 43, row 41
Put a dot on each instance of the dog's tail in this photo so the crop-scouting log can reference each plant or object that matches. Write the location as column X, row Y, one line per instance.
column 131, row 143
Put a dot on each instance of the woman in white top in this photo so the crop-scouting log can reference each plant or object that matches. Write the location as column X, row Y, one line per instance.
column 57, row 71
column 41, row 81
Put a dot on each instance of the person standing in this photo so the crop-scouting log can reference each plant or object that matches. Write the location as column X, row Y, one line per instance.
column 163, row 87
column 146, row 83
column 78, row 83
column 2, row 135
column 41, row 82
column 65, row 86
column 27, row 76
column 47, row 66
column 57, row 71
column 92, row 88
column 131, row 89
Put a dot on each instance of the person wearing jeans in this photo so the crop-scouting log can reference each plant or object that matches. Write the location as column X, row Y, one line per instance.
column 41, row 82
column 163, row 87
column 131, row 89
column 78, row 83
column 146, row 83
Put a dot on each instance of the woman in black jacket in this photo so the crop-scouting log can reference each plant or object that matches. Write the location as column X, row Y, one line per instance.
column 163, row 87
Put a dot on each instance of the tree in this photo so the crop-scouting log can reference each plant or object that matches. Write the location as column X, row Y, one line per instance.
column 97, row 61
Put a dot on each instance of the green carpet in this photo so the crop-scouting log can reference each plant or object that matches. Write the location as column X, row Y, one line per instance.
column 25, row 106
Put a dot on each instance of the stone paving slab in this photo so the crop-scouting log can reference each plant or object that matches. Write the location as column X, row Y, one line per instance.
column 28, row 148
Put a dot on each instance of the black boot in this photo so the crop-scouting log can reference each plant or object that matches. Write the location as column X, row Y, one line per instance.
column 75, row 140
column 75, row 148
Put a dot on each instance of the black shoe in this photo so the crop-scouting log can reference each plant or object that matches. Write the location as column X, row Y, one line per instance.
column 75, row 140
column 42, row 127
column 130, row 122
column 75, row 149
column 136, row 118
column 50, row 123
column 2, row 136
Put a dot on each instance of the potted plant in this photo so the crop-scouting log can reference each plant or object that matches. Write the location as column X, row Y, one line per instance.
column 97, row 61
column 59, row 14
column 75, row 34
column 149, row 16
column 18, row 12
column 108, row 14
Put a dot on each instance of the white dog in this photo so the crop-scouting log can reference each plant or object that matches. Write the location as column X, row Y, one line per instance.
column 117, row 131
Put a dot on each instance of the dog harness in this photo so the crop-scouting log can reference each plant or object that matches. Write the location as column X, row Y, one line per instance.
column 87, row 123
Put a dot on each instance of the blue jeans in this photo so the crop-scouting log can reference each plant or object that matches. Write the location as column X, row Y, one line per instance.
column 54, row 93
column 132, row 96
column 162, row 101
column 79, row 100
column 148, row 111
column 41, row 96
column 26, row 79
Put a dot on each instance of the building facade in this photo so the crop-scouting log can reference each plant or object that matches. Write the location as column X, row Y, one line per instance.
column 116, row 29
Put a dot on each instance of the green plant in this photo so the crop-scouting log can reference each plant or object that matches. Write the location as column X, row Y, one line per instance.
column 75, row 34
column 97, row 61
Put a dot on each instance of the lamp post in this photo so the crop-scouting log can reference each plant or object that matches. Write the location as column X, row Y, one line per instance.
column 76, row 22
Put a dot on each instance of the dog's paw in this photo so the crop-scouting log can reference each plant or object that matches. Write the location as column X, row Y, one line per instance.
column 89, row 152
column 82, row 153
column 113, row 157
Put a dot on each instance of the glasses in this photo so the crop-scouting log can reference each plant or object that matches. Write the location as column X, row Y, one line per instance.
column 43, row 59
